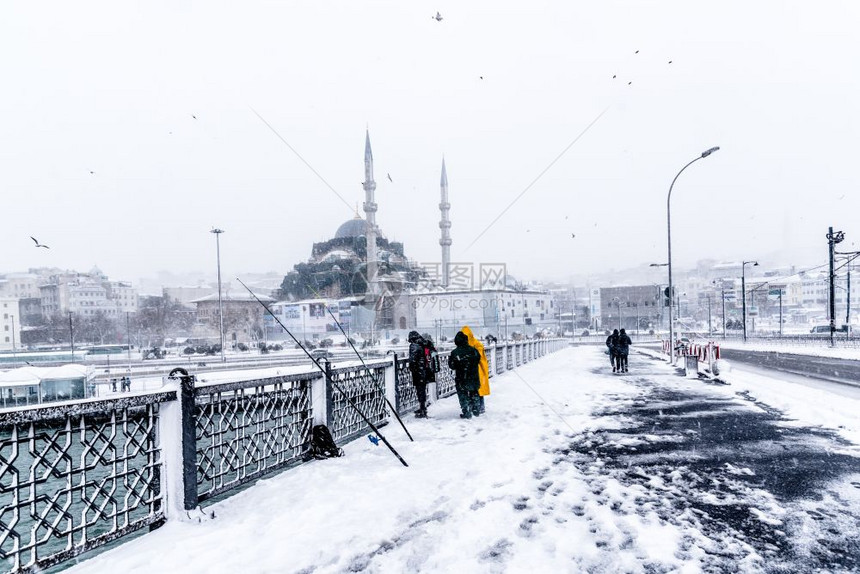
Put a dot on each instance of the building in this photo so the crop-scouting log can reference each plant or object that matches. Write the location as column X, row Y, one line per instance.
column 87, row 294
column 632, row 307
column 10, row 324
column 37, row 385
column 501, row 313
column 242, row 313
column 19, row 285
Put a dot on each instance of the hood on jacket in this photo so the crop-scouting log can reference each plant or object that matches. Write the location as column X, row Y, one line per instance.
column 623, row 332
column 615, row 332
column 413, row 337
column 461, row 340
column 469, row 335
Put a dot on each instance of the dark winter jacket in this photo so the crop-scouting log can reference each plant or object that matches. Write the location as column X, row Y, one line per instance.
column 464, row 361
column 623, row 345
column 417, row 358
column 612, row 341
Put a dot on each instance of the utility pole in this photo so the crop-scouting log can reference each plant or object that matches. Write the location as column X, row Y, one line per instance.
column 780, row 312
column 832, row 240
column 71, row 336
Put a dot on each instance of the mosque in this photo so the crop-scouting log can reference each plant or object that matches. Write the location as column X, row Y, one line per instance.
column 370, row 286
column 360, row 266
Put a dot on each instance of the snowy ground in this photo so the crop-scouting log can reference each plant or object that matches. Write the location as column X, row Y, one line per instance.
column 572, row 469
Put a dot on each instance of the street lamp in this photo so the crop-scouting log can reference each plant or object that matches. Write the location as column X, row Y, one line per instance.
column 218, row 233
column 744, row 293
column 705, row 154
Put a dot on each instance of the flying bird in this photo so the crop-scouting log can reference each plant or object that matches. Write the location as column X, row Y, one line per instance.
column 193, row 116
column 636, row 52
column 92, row 172
column 613, row 76
column 389, row 177
column 36, row 241
column 438, row 17
column 670, row 61
column 628, row 83
column 573, row 235
column 482, row 77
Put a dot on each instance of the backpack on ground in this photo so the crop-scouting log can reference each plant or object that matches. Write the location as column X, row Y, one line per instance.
column 322, row 444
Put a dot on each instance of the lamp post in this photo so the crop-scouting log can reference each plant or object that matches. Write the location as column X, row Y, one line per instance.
column 705, row 154
column 218, row 233
column 744, row 294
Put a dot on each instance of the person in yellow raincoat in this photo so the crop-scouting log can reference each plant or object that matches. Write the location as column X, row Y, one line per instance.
column 483, row 368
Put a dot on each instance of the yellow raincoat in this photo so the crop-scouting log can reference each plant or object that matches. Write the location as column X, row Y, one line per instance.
column 484, row 367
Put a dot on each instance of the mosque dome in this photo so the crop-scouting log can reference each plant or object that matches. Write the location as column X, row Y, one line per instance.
column 355, row 227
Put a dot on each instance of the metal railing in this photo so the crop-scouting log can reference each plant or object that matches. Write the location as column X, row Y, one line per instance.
column 366, row 389
column 76, row 476
column 246, row 429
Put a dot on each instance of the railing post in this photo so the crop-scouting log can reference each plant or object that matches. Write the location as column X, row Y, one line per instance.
column 189, row 441
column 180, row 457
column 329, row 390
column 391, row 384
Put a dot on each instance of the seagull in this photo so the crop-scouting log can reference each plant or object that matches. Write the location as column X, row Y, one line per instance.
column 482, row 77
column 613, row 76
column 36, row 241
column 628, row 83
column 92, row 172
column 438, row 17
column 636, row 52
column 389, row 177
column 193, row 116
column 670, row 61
column 573, row 235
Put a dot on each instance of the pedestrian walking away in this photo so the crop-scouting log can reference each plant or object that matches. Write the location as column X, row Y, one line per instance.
column 612, row 345
column 464, row 360
column 623, row 348
column 483, row 367
column 419, row 370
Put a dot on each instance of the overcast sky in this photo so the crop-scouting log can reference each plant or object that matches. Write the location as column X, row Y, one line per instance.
column 111, row 88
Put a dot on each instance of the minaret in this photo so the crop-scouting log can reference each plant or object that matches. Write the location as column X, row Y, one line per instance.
column 445, row 226
column 370, row 215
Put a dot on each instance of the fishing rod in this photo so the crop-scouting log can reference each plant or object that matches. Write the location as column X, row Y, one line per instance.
column 327, row 376
column 360, row 358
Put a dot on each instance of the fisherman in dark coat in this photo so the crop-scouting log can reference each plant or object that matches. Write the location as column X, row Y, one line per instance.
column 623, row 348
column 464, row 361
column 612, row 344
column 419, row 370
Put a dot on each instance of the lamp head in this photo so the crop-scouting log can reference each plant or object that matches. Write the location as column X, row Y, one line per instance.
column 708, row 152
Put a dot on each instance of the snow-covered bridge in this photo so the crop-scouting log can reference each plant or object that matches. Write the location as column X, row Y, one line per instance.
column 573, row 469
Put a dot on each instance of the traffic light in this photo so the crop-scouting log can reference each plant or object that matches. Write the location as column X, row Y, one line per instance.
column 667, row 302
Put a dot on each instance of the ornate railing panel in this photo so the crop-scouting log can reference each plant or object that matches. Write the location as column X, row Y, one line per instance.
column 500, row 357
column 445, row 386
column 518, row 354
column 366, row 388
column 247, row 429
column 509, row 362
column 406, row 397
column 77, row 476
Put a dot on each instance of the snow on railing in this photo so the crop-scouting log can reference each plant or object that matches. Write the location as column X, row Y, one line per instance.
column 81, row 474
